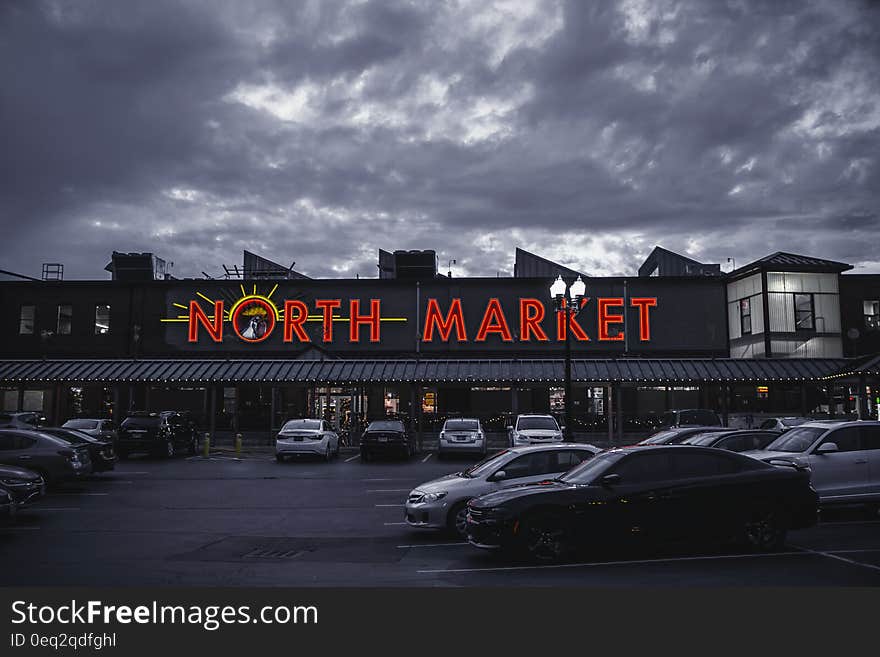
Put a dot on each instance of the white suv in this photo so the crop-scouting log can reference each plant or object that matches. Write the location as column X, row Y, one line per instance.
column 534, row 430
column 844, row 458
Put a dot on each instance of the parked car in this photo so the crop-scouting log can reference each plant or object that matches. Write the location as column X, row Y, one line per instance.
column 534, row 429
column 386, row 437
column 461, row 435
column 676, row 435
column 737, row 440
column 646, row 495
column 442, row 503
column 782, row 423
column 690, row 417
column 844, row 458
column 22, row 420
column 24, row 485
column 164, row 434
column 8, row 507
column 305, row 436
column 100, row 451
column 54, row 459
column 102, row 429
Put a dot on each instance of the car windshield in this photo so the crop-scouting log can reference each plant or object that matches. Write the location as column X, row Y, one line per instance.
column 141, row 422
column 81, row 424
column 386, row 425
column 461, row 425
column 587, row 471
column 526, row 423
column 659, row 438
column 293, row 425
column 798, row 439
column 486, row 465
column 703, row 439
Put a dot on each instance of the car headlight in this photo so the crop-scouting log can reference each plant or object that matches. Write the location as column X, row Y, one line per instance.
column 442, row 435
column 433, row 497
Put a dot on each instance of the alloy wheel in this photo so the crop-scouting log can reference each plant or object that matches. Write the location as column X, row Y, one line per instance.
column 764, row 531
column 169, row 449
column 546, row 539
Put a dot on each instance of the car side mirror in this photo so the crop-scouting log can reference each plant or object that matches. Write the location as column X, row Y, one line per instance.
column 826, row 448
column 610, row 479
column 499, row 476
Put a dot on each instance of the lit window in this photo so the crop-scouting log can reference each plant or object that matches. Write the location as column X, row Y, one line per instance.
column 872, row 314
column 65, row 318
column 803, row 312
column 102, row 319
column 26, row 320
column 745, row 316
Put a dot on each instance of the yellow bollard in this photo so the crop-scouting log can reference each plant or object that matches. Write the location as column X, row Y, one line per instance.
column 237, row 444
column 206, row 445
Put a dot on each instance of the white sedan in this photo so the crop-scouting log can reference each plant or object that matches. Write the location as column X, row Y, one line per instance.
column 305, row 436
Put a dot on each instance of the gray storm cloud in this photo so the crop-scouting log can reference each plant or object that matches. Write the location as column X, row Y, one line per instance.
column 321, row 131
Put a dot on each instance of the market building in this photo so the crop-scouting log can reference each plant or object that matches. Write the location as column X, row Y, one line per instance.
column 784, row 334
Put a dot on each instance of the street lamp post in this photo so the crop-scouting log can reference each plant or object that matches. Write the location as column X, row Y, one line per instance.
column 570, row 305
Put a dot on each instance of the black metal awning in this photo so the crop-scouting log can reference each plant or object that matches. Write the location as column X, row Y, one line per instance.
column 353, row 372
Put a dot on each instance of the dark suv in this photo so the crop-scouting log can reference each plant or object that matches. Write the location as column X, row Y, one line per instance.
column 163, row 434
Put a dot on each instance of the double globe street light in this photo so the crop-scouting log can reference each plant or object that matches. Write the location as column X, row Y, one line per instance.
column 569, row 305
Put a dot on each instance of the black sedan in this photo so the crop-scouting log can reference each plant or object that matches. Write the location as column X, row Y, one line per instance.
column 24, row 485
column 386, row 437
column 101, row 451
column 647, row 495
column 677, row 435
column 735, row 440
column 54, row 459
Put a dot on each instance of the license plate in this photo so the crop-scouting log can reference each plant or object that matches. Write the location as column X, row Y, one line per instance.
column 383, row 439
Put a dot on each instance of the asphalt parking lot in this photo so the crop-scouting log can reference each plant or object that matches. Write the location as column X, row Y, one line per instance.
column 255, row 522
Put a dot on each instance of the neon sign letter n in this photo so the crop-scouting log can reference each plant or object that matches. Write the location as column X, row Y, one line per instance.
column 197, row 316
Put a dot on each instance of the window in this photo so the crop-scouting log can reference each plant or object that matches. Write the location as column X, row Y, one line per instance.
column 803, row 312
column 102, row 319
column 518, row 467
column 847, row 439
column 701, row 465
column 871, row 436
column 644, row 468
column 745, row 316
column 26, row 320
column 65, row 317
column 872, row 314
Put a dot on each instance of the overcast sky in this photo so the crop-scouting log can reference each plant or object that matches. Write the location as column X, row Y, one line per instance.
column 321, row 131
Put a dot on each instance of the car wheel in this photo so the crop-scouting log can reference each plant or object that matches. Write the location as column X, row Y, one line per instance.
column 456, row 521
column 122, row 454
column 545, row 537
column 170, row 450
column 193, row 446
column 328, row 455
column 365, row 456
column 765, row 531
column 279, row 458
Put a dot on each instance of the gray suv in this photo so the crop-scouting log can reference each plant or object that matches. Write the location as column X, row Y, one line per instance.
column 843, row 458
column 442, row 503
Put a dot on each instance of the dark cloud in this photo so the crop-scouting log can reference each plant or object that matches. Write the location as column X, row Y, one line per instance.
column 321, row 131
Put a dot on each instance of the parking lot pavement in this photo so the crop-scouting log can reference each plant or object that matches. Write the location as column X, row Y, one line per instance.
column 252, row 521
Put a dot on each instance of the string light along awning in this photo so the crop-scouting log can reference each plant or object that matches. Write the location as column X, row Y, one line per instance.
column 861, row 367
column 354, row 372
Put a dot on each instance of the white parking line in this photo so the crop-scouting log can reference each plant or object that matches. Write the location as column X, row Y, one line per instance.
column 389, row 490
column 428, row 545
column 389, row 505
column 55, row 508
column 837, row 557
column 17, row 528
column 84, row 494
column 600, row 564
column 130, row 472
column 393, row 524
column 427, row 458
column 849, row 522
column 353, row 458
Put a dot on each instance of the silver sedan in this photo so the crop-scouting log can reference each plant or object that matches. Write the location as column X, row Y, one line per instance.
column 442, row 503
